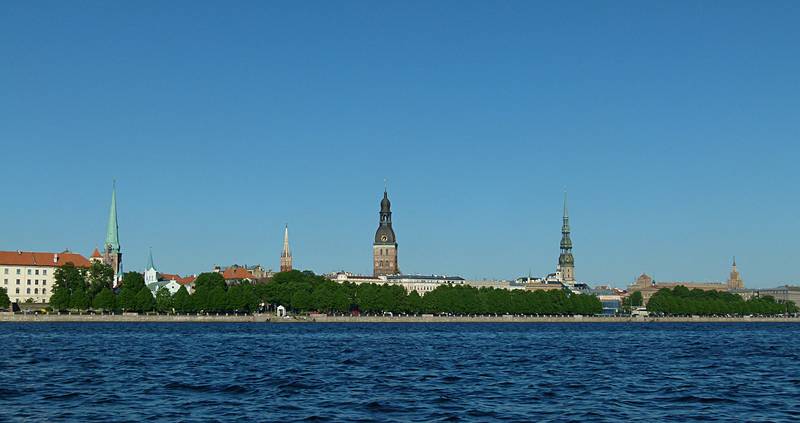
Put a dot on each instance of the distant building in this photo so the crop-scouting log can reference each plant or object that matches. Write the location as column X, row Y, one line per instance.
column 566, row 261
column 236, row 273
column 781, row 293
column 154, row 280
column 420, row 283
column 647, row 286
column 30, row 275
column 384, row 249
column 496, row 284
column 286, row 254
column 112, row 252
column 735, row 280
column 610, row 298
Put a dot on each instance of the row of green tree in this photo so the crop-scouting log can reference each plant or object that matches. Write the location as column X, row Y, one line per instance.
column 301, row 292
column 304, row 291
column 683, row 301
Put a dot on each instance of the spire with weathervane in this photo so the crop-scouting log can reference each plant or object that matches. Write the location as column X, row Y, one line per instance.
column 566, row 261
column 286, row 254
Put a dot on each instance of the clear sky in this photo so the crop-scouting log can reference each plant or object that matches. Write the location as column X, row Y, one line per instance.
column 674, row 126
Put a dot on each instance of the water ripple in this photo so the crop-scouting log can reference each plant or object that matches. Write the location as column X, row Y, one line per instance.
column 376, row 372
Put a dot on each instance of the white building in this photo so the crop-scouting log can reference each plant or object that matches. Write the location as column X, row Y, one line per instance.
column 154, row 280
column 31, row 275
column 420, row 283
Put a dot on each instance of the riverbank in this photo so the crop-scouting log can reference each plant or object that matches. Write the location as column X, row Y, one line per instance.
column 271, row 318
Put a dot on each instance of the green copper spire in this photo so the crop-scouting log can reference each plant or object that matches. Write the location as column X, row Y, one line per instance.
column 566, row 242
column 112, row 234
column 566, row 258
column 150, row 264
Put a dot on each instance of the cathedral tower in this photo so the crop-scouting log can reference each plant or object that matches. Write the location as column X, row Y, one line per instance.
column 566, row 262
column 112, row 254
column 384, row 250
column 286, row 254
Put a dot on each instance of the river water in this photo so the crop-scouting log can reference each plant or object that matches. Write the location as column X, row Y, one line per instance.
column 399, row 372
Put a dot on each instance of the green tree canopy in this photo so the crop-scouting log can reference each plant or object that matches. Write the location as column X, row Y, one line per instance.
column 4, row 300
column 182, row 301
column 105, row 300
column 163, row 300
column 144, row 300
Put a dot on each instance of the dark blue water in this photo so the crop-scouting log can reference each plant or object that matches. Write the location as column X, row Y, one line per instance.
column 399, row 372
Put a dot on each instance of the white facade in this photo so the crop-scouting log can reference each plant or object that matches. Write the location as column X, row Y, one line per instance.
column 421, row 284
column 24, row 282
column 30, row 275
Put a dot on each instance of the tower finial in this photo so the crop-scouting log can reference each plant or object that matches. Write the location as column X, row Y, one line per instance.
column 385, row 185
column 565, row 203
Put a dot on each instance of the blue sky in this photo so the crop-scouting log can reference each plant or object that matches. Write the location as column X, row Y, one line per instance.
column 673, row 125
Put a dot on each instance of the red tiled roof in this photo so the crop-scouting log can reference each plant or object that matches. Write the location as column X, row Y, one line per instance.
column 237, row 273
column 187, row 280
column 28, row 258
column 96, row 253
column 169, row 276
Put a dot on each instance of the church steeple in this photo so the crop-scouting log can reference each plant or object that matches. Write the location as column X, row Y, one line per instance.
column 384, row 249
column 112, row 232
column 566, row 261
column 112, row 254
column 150, row 264
column 286, row 254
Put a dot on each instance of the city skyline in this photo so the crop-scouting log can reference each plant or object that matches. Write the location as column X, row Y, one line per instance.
column 674, row 131
column 384, row 237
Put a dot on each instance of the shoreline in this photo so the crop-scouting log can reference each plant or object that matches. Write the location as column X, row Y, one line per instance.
column 271, row 318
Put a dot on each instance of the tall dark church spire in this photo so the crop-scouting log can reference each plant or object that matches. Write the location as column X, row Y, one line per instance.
column 384, row 249
column 566, row 262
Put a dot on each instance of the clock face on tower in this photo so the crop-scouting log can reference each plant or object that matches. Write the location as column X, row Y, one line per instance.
column 384, row 238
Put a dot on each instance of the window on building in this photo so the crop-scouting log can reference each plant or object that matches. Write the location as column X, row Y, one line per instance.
column 37, row 271
column 44, row 282
column 29, row 271
column 29, row 290
column 35, row 290
column 19, row 271
column 29, row 281
column 44, row 271
column 17, row 290
column 44, row 291
column 36, row 281
column 5, row 270
column 17, row 281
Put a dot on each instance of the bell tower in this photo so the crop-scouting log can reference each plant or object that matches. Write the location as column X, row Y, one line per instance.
column 566, row 261
column 384, row 249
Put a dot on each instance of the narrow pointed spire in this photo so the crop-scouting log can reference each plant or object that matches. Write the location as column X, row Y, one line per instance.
column 112, row 232
column 566, row 215
column 286, row 254
column 150, row 264
column 286, row 251
column 734, row 262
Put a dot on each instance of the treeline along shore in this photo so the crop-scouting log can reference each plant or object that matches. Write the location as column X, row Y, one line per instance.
column 271, row 318
column 88, row 292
